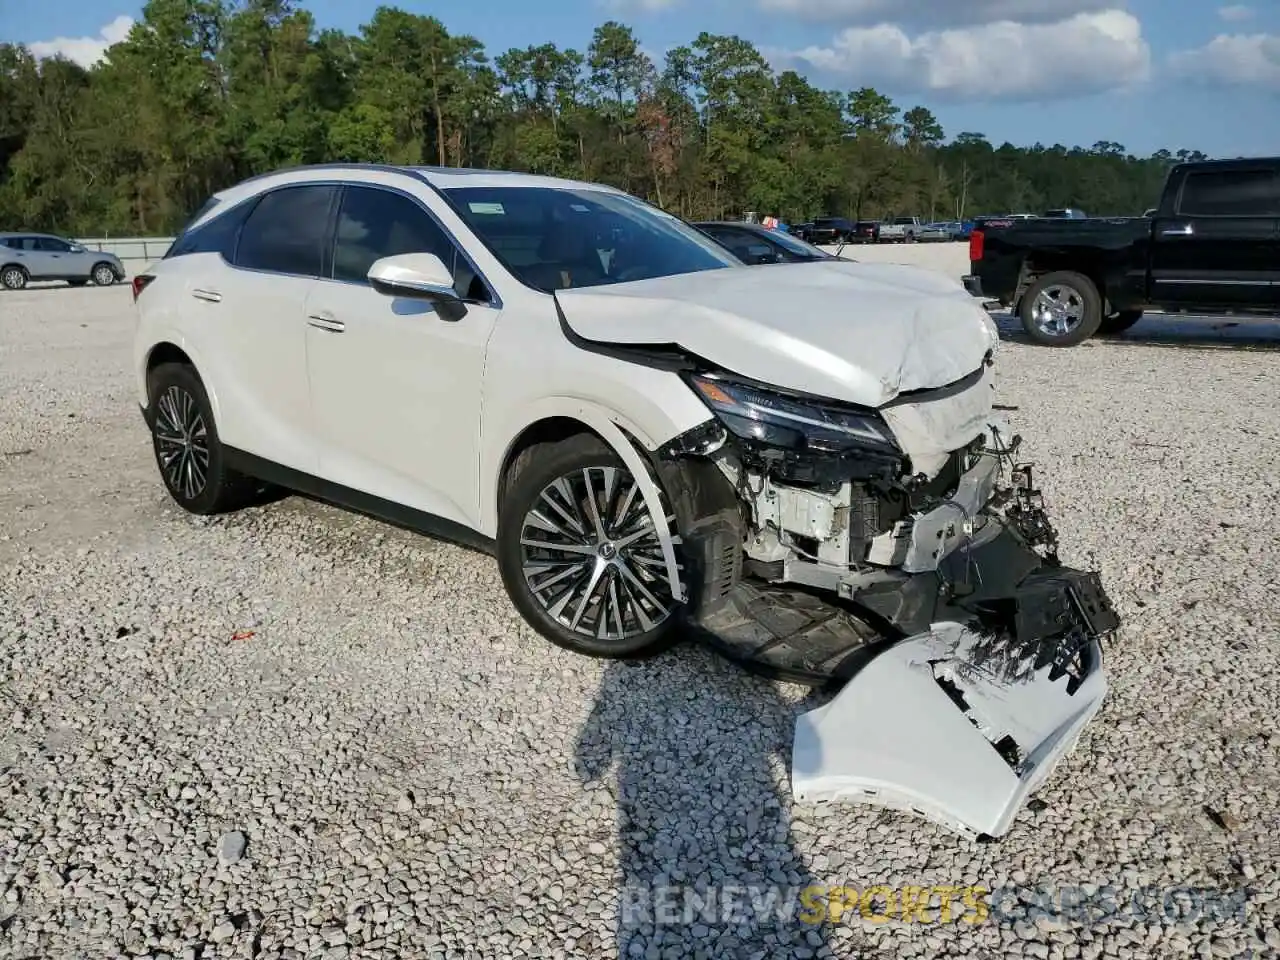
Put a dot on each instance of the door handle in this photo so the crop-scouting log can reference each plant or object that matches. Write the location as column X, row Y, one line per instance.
column 1183, row 230
column 210, row 295
column 325, row 321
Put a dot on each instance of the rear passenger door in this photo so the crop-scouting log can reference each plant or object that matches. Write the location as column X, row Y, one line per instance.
column 1219, row 249
column 395, row 386
column 250, row 316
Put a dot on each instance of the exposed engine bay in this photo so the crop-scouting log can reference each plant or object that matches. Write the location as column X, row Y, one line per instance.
column 905, row 548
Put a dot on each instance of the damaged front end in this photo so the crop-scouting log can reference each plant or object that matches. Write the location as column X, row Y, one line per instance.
column 905, row 553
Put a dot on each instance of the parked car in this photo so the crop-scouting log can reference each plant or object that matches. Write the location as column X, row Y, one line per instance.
column 647, row 434
column 43, row 256
column 831, row 230
column 756, row 244
column 865, row 231
column 935, row 232
column 802, row 230
column 1210, row 247
column 901, row 230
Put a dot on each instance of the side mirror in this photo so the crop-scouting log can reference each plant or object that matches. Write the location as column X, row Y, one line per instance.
column 422, row 276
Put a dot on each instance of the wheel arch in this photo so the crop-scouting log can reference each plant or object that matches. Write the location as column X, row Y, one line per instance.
column 559, row 417
column 172, row 348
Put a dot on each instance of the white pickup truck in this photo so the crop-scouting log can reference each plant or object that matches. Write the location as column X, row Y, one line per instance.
column 901, row 230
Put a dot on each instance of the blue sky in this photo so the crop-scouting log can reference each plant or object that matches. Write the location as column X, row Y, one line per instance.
column 1199, row 74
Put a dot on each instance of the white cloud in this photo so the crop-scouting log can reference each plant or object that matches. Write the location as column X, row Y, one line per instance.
column 937, row 13
column 1236, row 13
column 1086, row 53
column 85, row 51
column 1239, row 60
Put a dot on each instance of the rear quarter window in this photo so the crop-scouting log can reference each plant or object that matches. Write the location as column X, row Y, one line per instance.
column 217, row 235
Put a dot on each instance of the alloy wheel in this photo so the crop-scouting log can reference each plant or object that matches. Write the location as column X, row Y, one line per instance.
column 1058, row 310
column 104, row 276
column 592, row 557
column 182, row 442
column 14, row 279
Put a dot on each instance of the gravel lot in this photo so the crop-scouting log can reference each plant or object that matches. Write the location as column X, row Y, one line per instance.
column 393, row 765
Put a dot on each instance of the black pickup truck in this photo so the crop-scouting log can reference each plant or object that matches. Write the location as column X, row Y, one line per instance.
column 1212, row 246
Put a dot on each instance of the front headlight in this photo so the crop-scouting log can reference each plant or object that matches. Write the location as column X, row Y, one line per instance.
column 777, row 420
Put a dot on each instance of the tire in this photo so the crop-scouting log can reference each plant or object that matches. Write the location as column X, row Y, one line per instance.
column 184, row 438
column 1074, row 322
column 1119, row 322
column 103, row 275
column 601, row 595
column 14, row 277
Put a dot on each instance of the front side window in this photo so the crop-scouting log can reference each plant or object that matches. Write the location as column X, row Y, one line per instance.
column 373, row 224
column 286, row 231
column 555, row 238
column 1230, row 193
column 52, row 245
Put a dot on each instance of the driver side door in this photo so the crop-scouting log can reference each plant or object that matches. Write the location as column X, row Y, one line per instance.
column 396, row 385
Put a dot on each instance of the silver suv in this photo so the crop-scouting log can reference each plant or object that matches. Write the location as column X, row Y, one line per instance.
column 42, row 256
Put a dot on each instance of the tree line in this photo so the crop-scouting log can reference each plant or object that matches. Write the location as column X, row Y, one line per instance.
column 204, row 93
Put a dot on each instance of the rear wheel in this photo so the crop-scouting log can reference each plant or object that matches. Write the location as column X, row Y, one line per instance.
column 1061, row 309
column 1119, row 322
column 13, row 277
column 580, row 553
column 184, row 437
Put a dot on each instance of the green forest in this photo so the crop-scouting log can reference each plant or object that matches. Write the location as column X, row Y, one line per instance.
column 206, row 92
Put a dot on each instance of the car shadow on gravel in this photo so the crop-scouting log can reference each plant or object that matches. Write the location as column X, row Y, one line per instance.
column 699, row 752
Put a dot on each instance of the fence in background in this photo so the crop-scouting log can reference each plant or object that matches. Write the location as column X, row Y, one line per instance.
column 135, row 250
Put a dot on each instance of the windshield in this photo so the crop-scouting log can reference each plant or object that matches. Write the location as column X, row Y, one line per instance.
column 798, row 247
column 553, row 238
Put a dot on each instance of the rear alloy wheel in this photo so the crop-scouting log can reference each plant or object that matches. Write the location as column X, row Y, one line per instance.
column 1061, row 309
column 13, row 278
column 185, row 440
column 580, row 552
column 103, row 275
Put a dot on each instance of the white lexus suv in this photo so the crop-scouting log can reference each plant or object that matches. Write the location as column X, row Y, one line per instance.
column 795, row 462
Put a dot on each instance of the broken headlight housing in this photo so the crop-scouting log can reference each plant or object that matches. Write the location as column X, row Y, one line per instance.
column 775, row 419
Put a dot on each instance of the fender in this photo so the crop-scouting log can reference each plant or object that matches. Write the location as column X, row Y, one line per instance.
column 610, row 425
column 169, row 335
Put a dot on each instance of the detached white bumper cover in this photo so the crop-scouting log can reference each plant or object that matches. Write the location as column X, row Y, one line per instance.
column 917, row 730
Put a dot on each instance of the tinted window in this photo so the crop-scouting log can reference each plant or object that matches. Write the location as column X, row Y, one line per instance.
column 555, row 238
column 796, row 248
column 1230, row 193
column 377, row 223
column 745, row 245
column 214, row 236
column 52, row 245
column 285, row 233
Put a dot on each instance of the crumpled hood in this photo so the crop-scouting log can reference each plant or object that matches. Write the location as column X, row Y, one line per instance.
column 853, row 332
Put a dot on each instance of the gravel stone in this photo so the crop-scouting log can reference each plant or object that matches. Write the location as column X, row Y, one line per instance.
column 423, row 776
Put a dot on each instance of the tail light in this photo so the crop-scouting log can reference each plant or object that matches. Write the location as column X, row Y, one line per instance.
column 977, row 240
column 139, row 283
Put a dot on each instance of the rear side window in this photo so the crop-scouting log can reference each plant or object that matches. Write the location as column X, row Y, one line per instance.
column 215, row 236
column 285, row 232
column 1230, row 193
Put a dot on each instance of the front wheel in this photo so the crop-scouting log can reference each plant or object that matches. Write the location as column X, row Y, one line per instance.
column 103, row 275
column 580, row 554
column 1061, row 309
